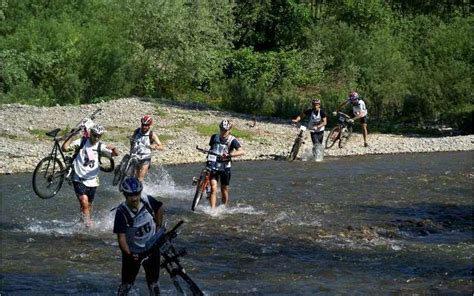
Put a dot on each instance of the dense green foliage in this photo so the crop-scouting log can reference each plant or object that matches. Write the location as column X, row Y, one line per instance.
column 411, row 60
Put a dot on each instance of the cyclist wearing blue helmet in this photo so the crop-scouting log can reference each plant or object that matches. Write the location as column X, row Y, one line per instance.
column 359, row 111
column 137, row 220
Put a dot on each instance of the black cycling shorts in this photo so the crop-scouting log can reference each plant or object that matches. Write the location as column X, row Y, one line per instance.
column 223, row 176
column 82, row 189
column 317, row 137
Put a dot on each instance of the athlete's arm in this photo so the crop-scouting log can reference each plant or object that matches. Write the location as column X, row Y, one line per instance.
column 237, row 152
column 156, row 143
column 122, row 241
column 342, row 105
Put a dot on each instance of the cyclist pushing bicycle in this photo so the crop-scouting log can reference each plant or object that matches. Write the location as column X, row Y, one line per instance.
column 86, row 166
column 359, row 111
column 317, row 122
column 225, row 146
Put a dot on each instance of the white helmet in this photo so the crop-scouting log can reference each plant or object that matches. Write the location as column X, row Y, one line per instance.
column 97, row 129
column 225, row 125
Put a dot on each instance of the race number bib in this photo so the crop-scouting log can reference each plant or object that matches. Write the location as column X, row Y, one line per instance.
column 212, row 158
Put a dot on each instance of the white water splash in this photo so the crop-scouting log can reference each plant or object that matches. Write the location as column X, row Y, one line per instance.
column 221, row 211
column 162, row 184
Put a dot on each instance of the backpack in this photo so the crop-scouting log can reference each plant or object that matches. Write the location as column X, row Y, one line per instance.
column 129, row 218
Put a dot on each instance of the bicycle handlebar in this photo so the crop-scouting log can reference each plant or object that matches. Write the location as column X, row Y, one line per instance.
column 77, row 127
column 206, row 151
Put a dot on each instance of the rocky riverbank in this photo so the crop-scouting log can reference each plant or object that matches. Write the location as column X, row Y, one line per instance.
column 181, row 128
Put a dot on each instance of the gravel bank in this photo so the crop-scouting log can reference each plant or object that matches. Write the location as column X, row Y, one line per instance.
column 22, row 143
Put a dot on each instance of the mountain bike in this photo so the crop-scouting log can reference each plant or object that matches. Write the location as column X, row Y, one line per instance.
column 203, row 184
column 171, row 263
column 128, row 166
column 299, row 141
column 51, row 171
column 342, row 132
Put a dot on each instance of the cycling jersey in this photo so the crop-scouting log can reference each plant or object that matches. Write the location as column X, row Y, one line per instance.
column 359, row 108
column 142, row 141
column 222, row 147
column 315, row 118
column 86, row 163
column 139, row 227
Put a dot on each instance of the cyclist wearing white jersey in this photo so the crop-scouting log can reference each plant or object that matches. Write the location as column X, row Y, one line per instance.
column 359, row 111
column 143, row 141
column 86, row 167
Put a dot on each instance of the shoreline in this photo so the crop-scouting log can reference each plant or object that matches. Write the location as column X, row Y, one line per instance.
column 23, row 144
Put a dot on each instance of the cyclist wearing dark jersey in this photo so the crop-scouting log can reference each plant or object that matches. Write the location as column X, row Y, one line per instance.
column 317, row 121
column 225, row 146
column 136, row 223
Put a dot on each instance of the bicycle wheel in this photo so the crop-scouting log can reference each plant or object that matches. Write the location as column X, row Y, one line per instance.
column 119, row 171
column 295, row 149
column 200, row 188
column 132, row 168
column 107, row 164
column 184, row 284
column 332, row 137
column 48, row 177
column 345, row 136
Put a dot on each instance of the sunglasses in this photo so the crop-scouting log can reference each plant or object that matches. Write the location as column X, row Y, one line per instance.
column 145, row 125
column 96, row 135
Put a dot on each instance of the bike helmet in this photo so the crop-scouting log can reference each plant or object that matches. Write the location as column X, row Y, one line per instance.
column 225, row 125
column 147, row 120
column 97, row 129
column 131, row 185
column 353, row 96
column 315, row 101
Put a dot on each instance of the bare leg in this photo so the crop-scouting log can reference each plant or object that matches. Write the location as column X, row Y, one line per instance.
column 364, row 133
column 225, row 194
column 86, row 208
column 213, row 198
column 142, row 171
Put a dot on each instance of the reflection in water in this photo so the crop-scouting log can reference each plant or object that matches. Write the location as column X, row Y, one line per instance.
column 375, row 224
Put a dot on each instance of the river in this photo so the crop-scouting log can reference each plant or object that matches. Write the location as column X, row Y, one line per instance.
column 361, row 225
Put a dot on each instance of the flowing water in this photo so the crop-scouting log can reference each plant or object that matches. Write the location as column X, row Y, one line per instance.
column 389, row 224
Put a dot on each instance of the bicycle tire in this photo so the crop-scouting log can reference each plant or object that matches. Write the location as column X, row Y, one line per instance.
column 108, row 165
column 119, row 171
column 345, row 136
column 295, row 149
column 178, row 276
column 200, row 188
column 131, row 168
column 49, row 174
column 333, row 136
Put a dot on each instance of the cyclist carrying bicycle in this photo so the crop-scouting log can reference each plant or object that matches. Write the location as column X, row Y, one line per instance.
column 86, row 167
column 359, row 111
column 143, row 141
column 317, row 122
column 226, row 146
column 137, row 222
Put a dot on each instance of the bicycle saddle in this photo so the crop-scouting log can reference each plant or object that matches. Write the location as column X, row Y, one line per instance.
column 53, row 133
